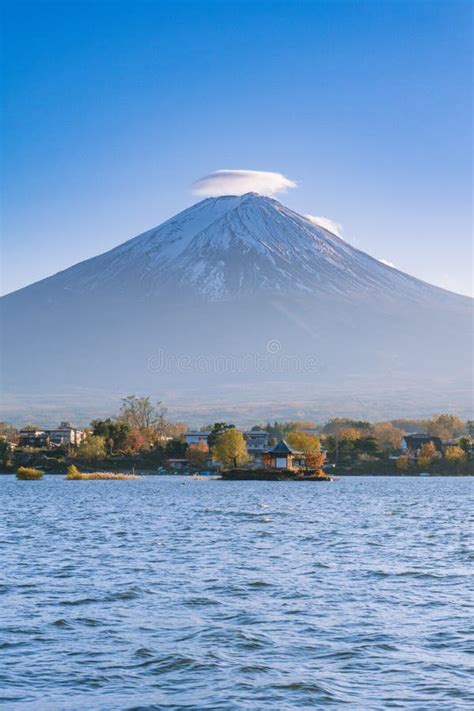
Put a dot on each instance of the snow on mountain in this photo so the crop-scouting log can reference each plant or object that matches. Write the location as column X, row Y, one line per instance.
column 229, row 246
column 225, row 277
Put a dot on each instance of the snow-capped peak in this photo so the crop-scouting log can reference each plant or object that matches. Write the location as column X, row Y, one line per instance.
column 235, row 245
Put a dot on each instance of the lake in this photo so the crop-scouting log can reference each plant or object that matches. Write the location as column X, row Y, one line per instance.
column 168, row 593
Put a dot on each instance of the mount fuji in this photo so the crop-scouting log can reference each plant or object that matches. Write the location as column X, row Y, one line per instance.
column 239, row 298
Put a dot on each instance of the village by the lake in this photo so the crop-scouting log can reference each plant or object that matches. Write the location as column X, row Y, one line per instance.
column 141, row 440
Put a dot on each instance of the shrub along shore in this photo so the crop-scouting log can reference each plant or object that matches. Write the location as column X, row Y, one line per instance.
column 73, row 474
column 29, row 473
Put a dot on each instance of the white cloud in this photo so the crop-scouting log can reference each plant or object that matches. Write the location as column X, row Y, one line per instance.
column 326, row 223
column 387, row 263
column 239, row 182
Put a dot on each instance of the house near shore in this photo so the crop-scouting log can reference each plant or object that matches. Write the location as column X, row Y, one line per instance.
column 65, row 435
column 282, row 456
column 179, row 464
column 257, row 441
column 193, row 437
column 412, row 445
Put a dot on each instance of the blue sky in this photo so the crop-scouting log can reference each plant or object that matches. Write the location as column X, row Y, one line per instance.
column 112, row 109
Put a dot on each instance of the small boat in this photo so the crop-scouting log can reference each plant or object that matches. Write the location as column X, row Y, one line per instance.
column 204, row 476
column 424, row 474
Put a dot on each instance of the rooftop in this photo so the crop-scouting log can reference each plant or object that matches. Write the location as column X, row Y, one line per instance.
column 282, row 447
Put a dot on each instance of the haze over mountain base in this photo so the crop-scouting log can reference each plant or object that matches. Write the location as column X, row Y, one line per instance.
column 238, row 302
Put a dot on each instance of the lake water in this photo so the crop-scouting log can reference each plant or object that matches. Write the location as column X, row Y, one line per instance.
column 168, row 593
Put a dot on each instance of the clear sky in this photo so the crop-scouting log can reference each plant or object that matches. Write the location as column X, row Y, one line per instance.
column 112, row 109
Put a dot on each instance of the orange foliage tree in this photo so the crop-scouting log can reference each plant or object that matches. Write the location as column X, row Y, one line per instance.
column 315, row 460
column 197, row 454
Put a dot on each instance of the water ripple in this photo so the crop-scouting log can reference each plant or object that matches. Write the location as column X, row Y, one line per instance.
column 258, row 596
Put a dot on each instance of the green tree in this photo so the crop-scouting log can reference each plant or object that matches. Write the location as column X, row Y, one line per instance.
column 279, row 429
column 367, row 445
column 175, row 448
column 4, row 453
column 217, row 429
column 465, row 444
column 114, row 432
column 92, row 448
column 230, row 448
column 342, row 449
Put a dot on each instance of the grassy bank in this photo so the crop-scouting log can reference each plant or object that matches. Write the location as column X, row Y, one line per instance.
column 73, row 474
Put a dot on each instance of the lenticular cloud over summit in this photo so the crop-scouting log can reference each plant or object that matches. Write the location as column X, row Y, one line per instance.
column 327, row 223
column 239, row 182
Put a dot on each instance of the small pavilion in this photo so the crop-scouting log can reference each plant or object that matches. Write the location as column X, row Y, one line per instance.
column 281, row 456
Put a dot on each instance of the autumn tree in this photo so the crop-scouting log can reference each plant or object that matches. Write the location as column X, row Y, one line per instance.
column 307, row 444
column 138, row 440
column 337, row 425
column 402, row 463
column 145, row 418
column 139, row 413
column 197, row 454
column 445, row 426
column 427, row 454
column 388, row 437
column 409, row 426
column 455, row 454
column 176, row 430
column 303, row 442
column 9, row 432
column 428, row 450
column 315, row 460
column 351, row 433
column 230, row 448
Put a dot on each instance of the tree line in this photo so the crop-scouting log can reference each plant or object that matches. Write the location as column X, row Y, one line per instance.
column 142, row 427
